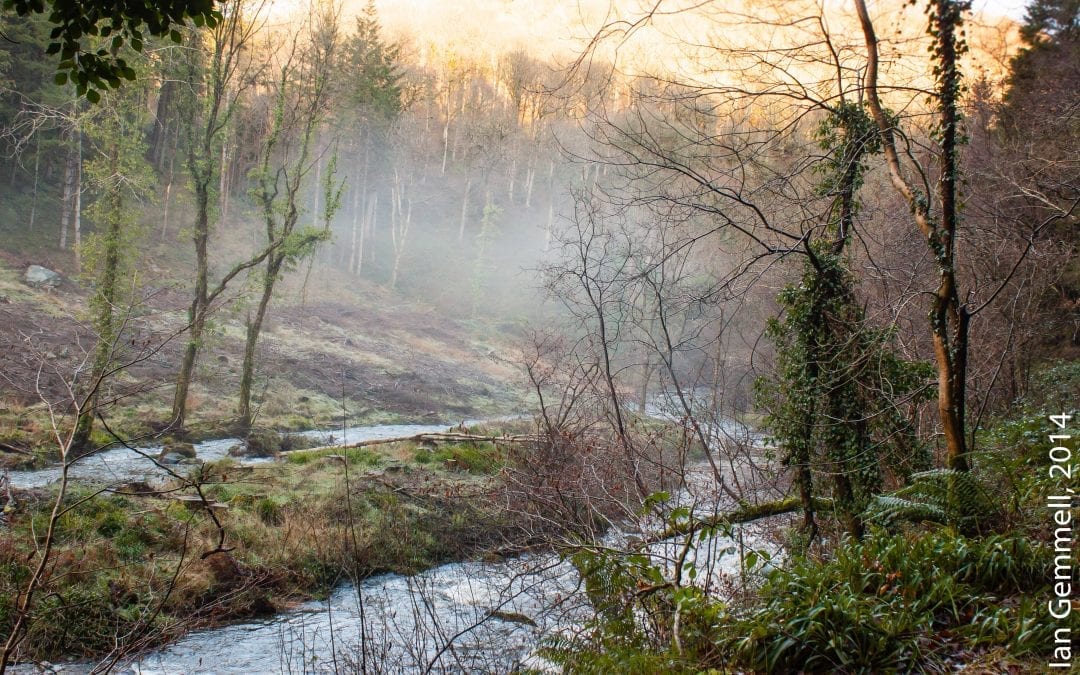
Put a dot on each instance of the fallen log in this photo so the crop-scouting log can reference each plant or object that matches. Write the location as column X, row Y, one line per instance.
column 744, row 514
column 433, row 437
column 195, row 502
column 14, row 449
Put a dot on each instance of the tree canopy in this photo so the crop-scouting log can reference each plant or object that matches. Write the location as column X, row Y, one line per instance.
column 89, row 34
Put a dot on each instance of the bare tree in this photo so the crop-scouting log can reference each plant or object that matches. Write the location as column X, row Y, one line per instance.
column 219, row 71
column 301, row 98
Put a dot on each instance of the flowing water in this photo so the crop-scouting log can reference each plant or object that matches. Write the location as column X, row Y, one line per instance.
column 123, row 465
column 472, row 617
column 460, row 617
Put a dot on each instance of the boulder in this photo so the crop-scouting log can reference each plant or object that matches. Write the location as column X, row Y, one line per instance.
column 262, row 444
column 170, row 458
column 42, row 277
column 185, row 450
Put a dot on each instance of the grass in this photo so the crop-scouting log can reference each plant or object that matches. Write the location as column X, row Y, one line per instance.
column 478, row 458
column 356, row 456
column 290, row 528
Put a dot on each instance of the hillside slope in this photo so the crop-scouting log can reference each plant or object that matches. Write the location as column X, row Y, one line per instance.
column 327, row 344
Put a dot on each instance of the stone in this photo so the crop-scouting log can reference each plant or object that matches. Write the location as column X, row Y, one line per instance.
column 263, row 444
column 135, row 488
column 171, row 458
column 513, row 617
column 185, row 450
column 42, row 277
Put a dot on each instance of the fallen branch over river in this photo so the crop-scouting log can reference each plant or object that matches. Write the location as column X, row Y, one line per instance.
column 744, row 514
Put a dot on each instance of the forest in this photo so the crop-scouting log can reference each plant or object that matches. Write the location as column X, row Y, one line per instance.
column 727, row 337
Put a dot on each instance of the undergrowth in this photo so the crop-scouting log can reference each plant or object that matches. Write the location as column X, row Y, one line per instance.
column 956, row 568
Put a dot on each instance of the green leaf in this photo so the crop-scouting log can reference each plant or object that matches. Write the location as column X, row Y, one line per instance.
column 61, row 79
column 751, row 560
column 93, row 96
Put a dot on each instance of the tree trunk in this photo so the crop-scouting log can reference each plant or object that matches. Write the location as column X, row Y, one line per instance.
column 464, row 209
column 37, row 168
column 510, row 181
column 223, row 178
column 357, row 233
column 369, row 224
column 530, row 177
column 949, row 317
column 446, row 142
column 76, row 215
column 159, row 135
column 169, row 184
column 106, row 297
column 197, row 310
column 315, row 190
column 254, row 328
column 65, row 199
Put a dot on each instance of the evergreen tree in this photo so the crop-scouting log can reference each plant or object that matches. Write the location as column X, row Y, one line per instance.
column 373, row 84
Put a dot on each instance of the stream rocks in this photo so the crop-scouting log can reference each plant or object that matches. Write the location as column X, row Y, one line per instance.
column 176, row 453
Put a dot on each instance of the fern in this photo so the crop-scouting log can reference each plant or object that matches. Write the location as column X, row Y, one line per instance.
column 954, row 498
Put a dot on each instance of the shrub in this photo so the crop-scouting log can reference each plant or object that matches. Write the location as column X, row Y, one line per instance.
column 890, row 603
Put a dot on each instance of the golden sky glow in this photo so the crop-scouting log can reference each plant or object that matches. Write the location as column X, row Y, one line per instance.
column 557, row 30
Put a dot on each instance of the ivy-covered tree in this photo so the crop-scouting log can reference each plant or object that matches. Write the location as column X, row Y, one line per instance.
column 834, row 401
column 218, row 71
column 939, row 223
column 119, row 178
column 301, row 97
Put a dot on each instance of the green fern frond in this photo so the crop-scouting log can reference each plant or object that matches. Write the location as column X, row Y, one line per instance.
column 946, row 496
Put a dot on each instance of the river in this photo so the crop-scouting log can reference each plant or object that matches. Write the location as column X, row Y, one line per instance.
column 459, row 617
column 122, row 465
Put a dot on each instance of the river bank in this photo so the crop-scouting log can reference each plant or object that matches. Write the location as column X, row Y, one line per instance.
column 141, row 567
